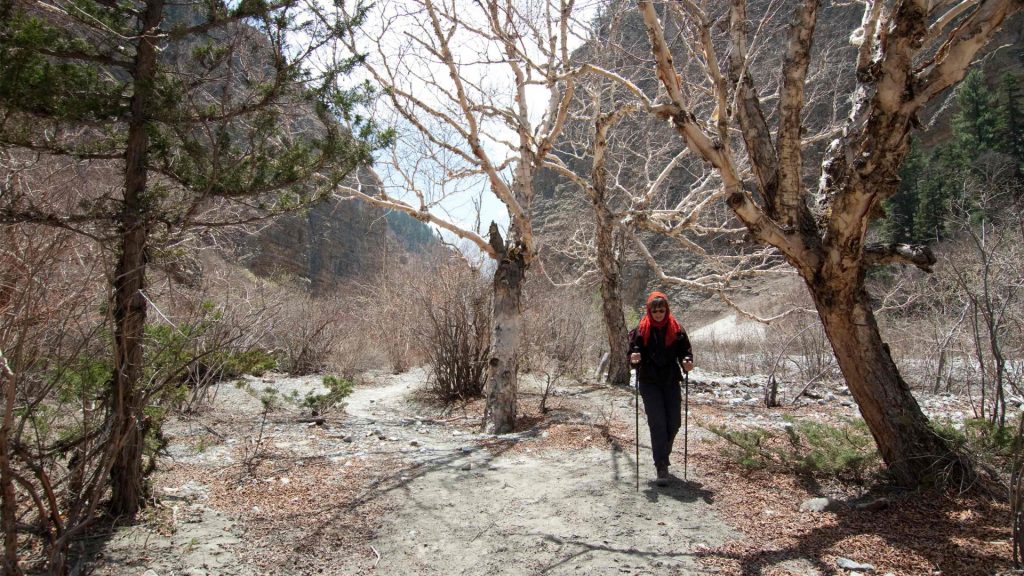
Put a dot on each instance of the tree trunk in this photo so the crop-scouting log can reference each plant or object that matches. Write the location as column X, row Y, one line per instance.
column 129, row 304
column 8, row 497
column 607, row 262
column 502, row 378
column 611, row 299
column 911, row 450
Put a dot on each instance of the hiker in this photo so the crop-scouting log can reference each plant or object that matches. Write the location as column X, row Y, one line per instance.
column 658, row 347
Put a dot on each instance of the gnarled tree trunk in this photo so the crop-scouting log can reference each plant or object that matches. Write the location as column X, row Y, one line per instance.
column 860, row 170
column 890, row 411
column 506, row 333
column 607, row 262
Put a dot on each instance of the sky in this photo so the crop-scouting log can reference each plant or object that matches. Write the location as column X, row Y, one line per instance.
column 396, row 38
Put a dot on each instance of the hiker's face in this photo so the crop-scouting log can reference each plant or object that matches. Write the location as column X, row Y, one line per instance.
column 658, row 313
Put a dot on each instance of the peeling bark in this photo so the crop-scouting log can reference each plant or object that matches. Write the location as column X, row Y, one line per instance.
column 502, row 384
column 859, row 171
column 607, row 262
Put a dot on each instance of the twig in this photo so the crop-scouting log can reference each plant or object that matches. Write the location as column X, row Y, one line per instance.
column 807, row 385
column 377, row 554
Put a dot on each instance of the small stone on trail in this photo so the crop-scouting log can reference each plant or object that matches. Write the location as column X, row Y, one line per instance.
column 818, row 505
column 414, row 443
column 468, row 466
column 847, row 564
column 347, row 438
column 150, row 573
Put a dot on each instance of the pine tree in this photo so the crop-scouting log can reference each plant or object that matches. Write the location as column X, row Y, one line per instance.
column 1010, row 121
column 933, row 192
column 210, row 112
column 898, row 226
column 975, row 124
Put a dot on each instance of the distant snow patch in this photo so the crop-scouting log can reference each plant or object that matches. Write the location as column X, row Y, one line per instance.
column 730, row 329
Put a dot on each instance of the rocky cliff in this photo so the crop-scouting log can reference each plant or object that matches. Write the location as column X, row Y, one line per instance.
column 336, row 240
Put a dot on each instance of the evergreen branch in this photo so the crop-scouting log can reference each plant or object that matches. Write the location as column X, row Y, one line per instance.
column 60, row 151
column 84, row 57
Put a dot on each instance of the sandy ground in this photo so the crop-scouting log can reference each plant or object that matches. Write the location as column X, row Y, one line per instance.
column 392, row 486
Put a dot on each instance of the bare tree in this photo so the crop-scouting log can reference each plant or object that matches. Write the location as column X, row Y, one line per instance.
column 986, row 268
column 461, row 79
column 909, row 52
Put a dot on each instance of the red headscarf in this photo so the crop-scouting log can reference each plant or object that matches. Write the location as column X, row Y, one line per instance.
column 669, row 321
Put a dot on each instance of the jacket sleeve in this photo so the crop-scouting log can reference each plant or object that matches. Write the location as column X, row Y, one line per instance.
column 683, row 349
column 634, row 343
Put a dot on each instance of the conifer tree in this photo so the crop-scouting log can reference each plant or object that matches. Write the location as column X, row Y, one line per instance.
column 975, row 123
column 208, row 112
column 1010, row 121
column 898, row 227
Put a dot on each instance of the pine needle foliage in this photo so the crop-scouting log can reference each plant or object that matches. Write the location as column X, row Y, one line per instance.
column 803, row 447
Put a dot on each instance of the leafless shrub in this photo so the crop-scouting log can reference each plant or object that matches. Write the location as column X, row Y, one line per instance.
column 217, row 330
column 727, row 354
column 562, row 330
column 55, row 451
column 391, row 304
column 457, row 332
column 307, row 330
column 797, row 348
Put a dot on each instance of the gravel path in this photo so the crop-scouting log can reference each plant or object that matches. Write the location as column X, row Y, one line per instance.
column 451, row 501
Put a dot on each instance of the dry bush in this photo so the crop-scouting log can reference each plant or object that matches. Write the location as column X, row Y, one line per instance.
column 56, row 450
column 797, row 348
column 391, row 304
column 563, row 328
column 217, row 330
column 457, row 333
column 307, row 330
column 730, row 354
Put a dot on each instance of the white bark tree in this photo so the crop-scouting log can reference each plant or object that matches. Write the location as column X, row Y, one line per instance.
column 909, row 52
column 463, row 79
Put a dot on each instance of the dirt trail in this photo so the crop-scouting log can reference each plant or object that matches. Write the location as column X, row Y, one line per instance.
column 451, row 501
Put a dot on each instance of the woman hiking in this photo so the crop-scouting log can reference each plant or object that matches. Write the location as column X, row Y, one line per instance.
column 658, row 348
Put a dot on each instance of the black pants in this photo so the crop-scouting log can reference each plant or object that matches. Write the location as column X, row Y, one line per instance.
column 662, row 403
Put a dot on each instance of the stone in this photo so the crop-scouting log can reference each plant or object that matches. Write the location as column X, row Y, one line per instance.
column 847, row 564
column 819, row 505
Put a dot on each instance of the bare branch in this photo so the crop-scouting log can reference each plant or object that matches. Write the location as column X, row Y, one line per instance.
column 920, row 256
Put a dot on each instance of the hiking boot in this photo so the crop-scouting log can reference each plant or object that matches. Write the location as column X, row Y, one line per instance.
column 662, row 476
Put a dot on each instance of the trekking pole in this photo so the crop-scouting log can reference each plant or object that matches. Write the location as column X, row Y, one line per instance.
column 686, row 422
column 636, row 405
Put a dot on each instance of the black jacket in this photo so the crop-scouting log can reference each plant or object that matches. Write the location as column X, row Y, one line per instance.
column 658, row 363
